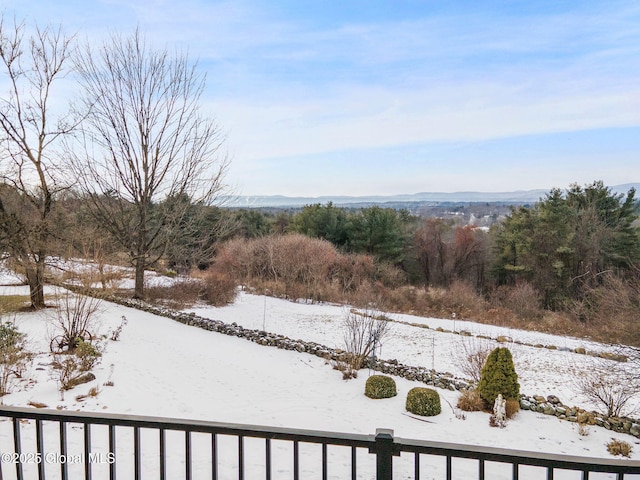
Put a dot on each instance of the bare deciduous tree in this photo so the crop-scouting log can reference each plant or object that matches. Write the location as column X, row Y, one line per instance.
column 74, row 321
column 472, row 356
column 31, row 127
column 145, row 147
column 364, row 331
column 609, row 385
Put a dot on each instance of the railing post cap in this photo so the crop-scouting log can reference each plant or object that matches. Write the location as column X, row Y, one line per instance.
column 384, row 432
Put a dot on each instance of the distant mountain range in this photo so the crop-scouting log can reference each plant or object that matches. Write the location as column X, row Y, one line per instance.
column 516, row 197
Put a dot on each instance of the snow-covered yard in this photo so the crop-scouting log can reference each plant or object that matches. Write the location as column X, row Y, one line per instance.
column 163, row 368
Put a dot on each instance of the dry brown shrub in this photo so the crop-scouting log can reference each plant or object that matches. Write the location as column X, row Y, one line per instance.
column 392, row 299
column 512, row 407
column 471, row 401
column 365, row 294
column 562, row 324
column 298, row 266
column 619, row 447
column 460, row 299
column 610, row 311
column 390, row 276
column 522, row 299
column 180, row 294
column 302, row 260
column 497, row 316
column 352, row 271
column 238, row 259
column 218, row 288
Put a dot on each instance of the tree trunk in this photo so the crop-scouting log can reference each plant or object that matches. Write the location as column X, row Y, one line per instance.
column 36, row 286
column 139, row 286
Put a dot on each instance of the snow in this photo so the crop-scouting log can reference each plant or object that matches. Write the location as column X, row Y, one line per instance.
column 160, row 367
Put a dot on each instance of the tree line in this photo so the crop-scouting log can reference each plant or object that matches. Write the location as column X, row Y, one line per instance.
column 563, row 245
column 575, row 251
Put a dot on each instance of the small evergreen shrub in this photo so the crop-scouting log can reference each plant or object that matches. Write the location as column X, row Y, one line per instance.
column 499, row 377
column 423, row 401
column 380, row 386
column 470, row 401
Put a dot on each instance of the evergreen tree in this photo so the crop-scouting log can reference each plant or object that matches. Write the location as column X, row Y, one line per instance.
column 499, row 377
column 567, row 241
column 379, row 232
column 323, row 221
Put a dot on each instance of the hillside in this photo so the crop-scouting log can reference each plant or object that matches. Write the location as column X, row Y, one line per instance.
column 164, row 368
column 429, row 198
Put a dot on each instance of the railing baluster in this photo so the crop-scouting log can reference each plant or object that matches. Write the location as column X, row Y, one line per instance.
column 416, row 466
column 214, row 456
column 17, row 443
column 448, row 461
column 112, row 452
column 64, row 472
column 481, row 469
column 87, row 451
column 549, row 473
column 40, row 449
column 354, row 468
column 585, row 475
column 137, row 473
column 324, row 461
column 187, row 454
column 240, row 457
column 516, row 471
column 296, row 461
column 267, row 460
column 163, row 454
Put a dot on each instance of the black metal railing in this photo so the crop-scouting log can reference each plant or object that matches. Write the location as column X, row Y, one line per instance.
column 47, row 444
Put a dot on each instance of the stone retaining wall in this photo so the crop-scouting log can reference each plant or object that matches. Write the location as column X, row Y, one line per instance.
column 552, row 405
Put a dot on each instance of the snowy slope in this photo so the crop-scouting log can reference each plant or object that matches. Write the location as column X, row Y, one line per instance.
column 164, row 368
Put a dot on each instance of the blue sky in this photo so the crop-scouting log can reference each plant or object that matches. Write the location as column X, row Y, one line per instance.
column 363, row 97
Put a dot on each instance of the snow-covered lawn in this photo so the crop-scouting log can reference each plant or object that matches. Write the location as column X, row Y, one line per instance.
column 163, row 368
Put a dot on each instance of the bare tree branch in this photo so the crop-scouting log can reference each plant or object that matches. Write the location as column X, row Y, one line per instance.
column 144, row 142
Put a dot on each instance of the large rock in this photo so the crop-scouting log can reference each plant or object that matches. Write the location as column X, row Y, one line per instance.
column 79, row 380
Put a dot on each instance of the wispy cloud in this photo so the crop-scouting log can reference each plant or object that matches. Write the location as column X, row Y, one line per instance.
column 295, row 83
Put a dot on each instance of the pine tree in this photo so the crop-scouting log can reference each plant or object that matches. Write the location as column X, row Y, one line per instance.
column 499, row 377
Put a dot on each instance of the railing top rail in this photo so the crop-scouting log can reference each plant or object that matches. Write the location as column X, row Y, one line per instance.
column 517, row 456
column 162, row 423
column 330, row 438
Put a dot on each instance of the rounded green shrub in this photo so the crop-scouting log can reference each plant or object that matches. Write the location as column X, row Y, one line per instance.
column 499, row 376
column 380, row 386
column 423, row 401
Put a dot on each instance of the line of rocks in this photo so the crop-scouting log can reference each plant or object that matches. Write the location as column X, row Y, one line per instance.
column 552, row 405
